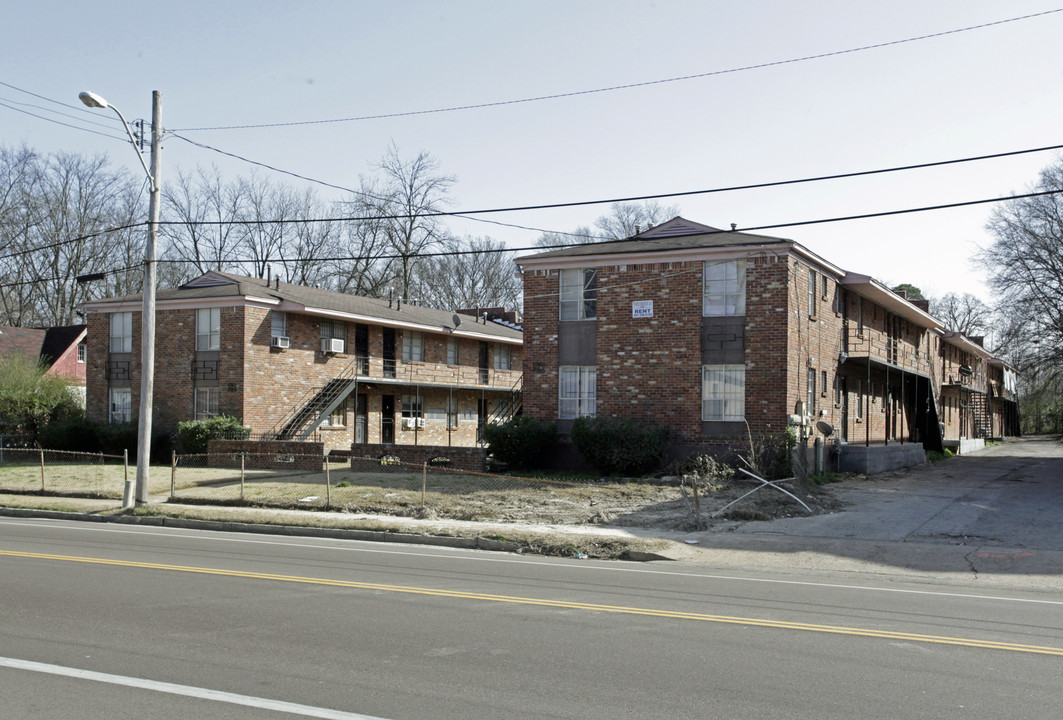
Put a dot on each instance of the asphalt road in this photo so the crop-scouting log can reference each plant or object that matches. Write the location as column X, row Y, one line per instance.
column 107, row 621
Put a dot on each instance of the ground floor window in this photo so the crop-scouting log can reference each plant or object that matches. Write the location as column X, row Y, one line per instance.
column 412, row 406
column 723, row 392
column 121, row 405
column 206, row 402
column 338, row 417
column 577, row 390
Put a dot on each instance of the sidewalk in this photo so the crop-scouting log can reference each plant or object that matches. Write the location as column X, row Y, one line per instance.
column 993, row 518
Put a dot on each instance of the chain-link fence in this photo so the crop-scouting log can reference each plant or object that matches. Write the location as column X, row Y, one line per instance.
column 388, row 486
column 60, row 472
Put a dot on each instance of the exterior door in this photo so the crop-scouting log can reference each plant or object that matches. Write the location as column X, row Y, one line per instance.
column 484, row 368
column 387, row 419
column 361, row 418
column 389, row 353
column 361, row 347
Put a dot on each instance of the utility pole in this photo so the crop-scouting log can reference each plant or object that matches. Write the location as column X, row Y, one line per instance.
column 147, row 318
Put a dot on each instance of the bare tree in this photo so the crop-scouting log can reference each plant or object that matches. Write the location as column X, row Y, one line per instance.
column 412, row 192
column 1025, row 268
column 630, row 218
column 202, row 229
column 963, row 313
column 476, row 272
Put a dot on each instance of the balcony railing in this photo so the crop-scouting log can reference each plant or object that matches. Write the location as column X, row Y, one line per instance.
column 428, row 373
column 894, row 352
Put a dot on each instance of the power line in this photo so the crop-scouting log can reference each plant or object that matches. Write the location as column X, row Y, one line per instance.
column 628, row 86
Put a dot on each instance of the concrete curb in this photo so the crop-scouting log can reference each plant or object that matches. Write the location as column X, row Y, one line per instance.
column 467, row 543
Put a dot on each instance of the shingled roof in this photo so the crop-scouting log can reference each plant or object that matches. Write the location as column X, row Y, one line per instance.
column 44, row 344
column 300, row 298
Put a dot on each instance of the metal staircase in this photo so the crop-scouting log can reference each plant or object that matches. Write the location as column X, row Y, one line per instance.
column 980, row 414
column 316, row 405
column 511, row 406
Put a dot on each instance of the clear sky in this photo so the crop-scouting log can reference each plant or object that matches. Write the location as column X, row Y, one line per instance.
column 237, row 62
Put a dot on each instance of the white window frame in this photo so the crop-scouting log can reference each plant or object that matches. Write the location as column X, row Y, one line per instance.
column 723, row 393
column 812, row 292
column 810, row 392
column 412, row 346
column 723, row 288
column 577, row 391
column 206, row 401
column 121, row 332
column 334, row 330
column 503, row 359
column 278, row 323
column 208, row 329
column 859, row 392
column 578, row 296
column 338, row 417
column 120, row 405
column 83, row 353
column 412, row 406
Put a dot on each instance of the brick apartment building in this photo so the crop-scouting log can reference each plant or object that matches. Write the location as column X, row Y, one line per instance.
column 298, row 363
column 708, row 332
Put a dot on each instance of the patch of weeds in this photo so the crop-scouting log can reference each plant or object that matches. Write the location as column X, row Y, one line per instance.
column 824, row 479
column 343, row 484
column 934, row 456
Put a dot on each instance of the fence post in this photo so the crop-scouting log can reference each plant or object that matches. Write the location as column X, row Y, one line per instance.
column 127, row 484
column 242, row 477
column 328, row 486
column 42, row 469
column 424, row 481
column 173, row 473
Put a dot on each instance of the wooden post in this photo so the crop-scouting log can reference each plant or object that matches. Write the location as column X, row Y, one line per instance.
column 173, row 473
column 42, row 469
column 242, row 477
column 424, row 481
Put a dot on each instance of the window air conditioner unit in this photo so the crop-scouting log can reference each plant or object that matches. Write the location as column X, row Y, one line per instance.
column 409, row 423
column 420, row 423
column 331, row 345
column 279, row 341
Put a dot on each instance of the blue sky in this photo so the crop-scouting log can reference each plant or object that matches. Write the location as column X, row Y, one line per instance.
column 226, row 63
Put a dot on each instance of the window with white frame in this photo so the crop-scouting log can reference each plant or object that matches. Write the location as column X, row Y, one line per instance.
column 121, row 405
column 83, row 352
column 412, row 346
column 121, row 332
column 452, row 351
column 577, row 391
column 811, row 292
column 579, row 294
column 858, row 392
column 412, row 406
column 724, row 291
column 810, row 393
column 338, row 417
column 335, row 330
column 503, row 357
column 723, row 392
column 206, row 402
column 278, row 324
column 208, row 329
column 452, row 413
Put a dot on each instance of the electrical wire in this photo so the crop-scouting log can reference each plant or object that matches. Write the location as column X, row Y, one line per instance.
column 628, row 86
column 59, row 122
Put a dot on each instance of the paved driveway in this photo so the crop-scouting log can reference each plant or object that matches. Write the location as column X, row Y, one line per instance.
column 997, row 511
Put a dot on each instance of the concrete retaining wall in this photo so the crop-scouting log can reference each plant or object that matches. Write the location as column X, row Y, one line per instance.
column 879, row 458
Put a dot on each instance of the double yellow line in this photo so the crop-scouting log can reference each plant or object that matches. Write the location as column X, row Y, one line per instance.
column 564, row 604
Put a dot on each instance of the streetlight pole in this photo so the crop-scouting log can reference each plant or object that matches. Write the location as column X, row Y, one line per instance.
column 147, row 319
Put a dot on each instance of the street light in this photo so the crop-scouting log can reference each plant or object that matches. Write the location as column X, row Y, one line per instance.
column 147, row 321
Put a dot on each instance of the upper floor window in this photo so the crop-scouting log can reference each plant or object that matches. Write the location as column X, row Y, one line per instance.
column 208, row 329
column 82, row 352
column 121, row 332
column 577, row 391
column 412, row 346
column 579, row 294
column 810, row 393
column 503, row 357
column 452, row 351
column 723, row 392
column 334, row 330
column 811, row 292
column 724, row 288
column 278, row 324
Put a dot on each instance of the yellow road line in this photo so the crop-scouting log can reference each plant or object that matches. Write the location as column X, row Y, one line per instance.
column 568, row 605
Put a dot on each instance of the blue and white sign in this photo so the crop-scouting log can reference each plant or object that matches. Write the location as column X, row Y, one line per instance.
column 642, row 308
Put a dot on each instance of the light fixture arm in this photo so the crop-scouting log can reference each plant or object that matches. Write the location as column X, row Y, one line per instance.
column 93, row 100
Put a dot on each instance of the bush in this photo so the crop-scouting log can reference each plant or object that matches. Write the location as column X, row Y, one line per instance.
column 620, row 446
column 89, row 436
column 521, row 442
column 193, row 436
